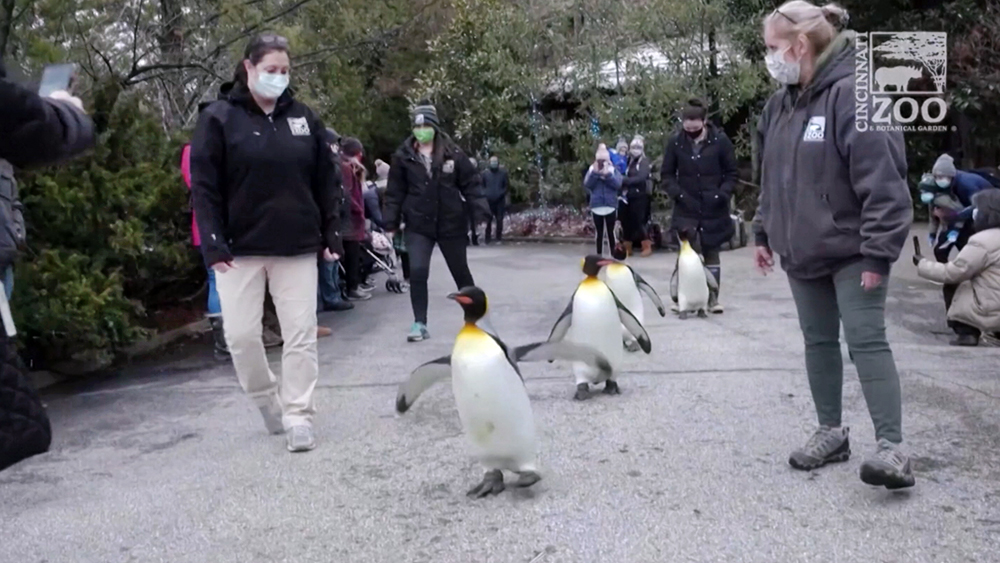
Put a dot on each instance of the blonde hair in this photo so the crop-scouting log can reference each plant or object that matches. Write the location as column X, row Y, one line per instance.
column 819, row 25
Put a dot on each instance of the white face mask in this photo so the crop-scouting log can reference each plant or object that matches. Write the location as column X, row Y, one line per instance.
column 781, row 70
column 943, row 182
column 270, row 86
column 975, row 213
column 636, row 152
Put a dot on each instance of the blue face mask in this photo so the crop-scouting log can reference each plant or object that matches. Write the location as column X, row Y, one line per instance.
column 926, row 197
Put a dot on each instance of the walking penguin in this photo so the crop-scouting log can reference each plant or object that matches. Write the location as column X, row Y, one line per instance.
column 594, row 317
column 489, row 391
column 692, row 283
column 626, row 284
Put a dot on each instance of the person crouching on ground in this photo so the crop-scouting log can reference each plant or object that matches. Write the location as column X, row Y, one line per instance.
column 603, row 182
column 975, row 307
column 431, row 184
column 266, row 193
column 634, row 211
column 838, row 228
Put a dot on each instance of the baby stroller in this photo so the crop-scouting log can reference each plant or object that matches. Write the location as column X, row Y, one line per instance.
column 380, row 256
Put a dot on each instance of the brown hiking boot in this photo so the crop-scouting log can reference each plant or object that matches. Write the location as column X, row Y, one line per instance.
column 323, row 331
column 628, row 248
column 647, row 248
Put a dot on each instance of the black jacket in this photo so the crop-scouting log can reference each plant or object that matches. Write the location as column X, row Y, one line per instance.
column 433, row 205
column 34, row 131
column 496, row 184
column 635, row 183
column 24, row 427
column 701, row 184
column 263, row 185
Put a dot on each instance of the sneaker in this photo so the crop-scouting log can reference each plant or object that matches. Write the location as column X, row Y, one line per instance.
column 827, row 445
column 418, row 332
column 323, row 331
column 367, row 287
column 271, row 339
column 716, row 309
column 358, row 295
column 889, row 467
column 271, row 412
column 301, row 438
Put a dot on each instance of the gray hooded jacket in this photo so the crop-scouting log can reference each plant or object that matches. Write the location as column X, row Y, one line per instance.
column 830, row 195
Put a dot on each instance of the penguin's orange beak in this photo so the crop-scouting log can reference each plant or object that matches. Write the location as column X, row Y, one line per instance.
column 463, row 299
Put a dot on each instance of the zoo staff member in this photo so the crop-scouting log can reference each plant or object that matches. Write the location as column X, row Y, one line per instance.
column 266, row 195
column 835, row 206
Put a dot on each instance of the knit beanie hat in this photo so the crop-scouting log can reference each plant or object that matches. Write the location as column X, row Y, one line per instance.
column 351, row 147
column 332, row 137
column 602, row 153
column 425, row 114
column 381, row 169
column 621, row 143
column 945, row 166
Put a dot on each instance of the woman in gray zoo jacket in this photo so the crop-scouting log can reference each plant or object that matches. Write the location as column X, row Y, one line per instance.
column 836, row 208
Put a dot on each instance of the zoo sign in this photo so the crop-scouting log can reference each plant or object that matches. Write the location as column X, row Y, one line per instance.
column 900, row 80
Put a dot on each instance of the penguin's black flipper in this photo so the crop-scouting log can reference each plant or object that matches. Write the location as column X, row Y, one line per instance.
column 561, row 327
column 563, row 350
column 634, row 327
column 648, row 290
column 674, row 281
column 420, row 380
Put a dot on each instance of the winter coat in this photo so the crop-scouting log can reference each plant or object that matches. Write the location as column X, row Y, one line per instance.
column 636, row 180
column 354, row 230
column 435, row 205
column 976, row 271
column 701, row 182
column 620, row 162
column 496, row 184
column 373, row 210
column 964, row 187
column 603, row 190
column 830, row 195
column 34, row 131
column 24, row 427
column 263, row 185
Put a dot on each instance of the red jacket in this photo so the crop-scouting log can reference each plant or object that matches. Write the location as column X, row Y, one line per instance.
column 355, row 199
column 186, row 173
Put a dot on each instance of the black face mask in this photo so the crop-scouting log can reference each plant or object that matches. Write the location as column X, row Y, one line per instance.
column 694, row 134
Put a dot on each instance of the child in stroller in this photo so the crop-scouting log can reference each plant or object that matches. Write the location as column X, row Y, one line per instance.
column 379, row 256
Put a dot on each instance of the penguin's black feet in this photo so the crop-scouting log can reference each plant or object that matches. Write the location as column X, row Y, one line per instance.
column 683, row 315
column 611, row 388
column 492, row 485
column 527, row 479
column 702, row 314
column 582, row 392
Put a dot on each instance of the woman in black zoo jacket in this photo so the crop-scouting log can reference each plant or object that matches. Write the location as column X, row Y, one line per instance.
column 431, row 181
column 699, row 173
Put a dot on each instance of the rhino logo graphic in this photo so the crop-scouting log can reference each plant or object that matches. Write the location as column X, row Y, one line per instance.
column 896, row 77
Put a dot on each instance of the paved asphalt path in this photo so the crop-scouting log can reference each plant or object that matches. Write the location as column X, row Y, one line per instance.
column 169, row 462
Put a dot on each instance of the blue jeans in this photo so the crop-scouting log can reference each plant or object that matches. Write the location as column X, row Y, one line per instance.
column 328, row 290
column 214, row 305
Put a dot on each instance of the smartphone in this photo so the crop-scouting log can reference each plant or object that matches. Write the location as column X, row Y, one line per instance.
column 916, row 246
column 57, row 77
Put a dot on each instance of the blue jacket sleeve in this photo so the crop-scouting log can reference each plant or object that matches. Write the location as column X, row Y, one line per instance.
column 972, row 184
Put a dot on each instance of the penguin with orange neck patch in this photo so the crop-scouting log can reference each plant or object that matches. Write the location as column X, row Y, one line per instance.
column 489, row 391
column 594, row 318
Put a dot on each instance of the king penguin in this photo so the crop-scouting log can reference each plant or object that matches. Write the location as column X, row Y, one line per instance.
column 489, row 391
column 594, row 317
column 694, row 283
column 626, row 284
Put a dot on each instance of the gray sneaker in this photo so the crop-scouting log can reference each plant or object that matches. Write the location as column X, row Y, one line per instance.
column 889, row 467
column 272, row 416
column 301, row 438
column 825, row 446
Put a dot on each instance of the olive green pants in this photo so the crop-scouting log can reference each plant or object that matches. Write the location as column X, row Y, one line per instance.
column 823, row 304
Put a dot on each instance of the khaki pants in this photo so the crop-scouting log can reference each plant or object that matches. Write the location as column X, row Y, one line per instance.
column 292, row 282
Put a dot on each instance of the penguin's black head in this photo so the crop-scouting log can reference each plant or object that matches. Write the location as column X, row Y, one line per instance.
column 473, row 302
column 593, row 263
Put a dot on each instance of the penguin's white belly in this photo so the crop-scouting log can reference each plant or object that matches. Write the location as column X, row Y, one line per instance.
column 493, row 406
column 596, row 323
column 692, row 286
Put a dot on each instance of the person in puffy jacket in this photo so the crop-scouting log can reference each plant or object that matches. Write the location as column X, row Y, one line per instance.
column 496, row 183
column 835, row 206
column 603, row 183
column 975, row 273
column 34, row 131
column 267, row 196
column 699, row 173
column 634, row 210
column 432, row 188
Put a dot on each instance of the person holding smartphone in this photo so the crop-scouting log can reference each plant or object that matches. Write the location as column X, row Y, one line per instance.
column 267, row 198
column 34, row 131
column 602, row 182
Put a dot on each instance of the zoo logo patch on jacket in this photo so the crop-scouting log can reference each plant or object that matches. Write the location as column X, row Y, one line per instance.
column 816, row 129
column 299, row 126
